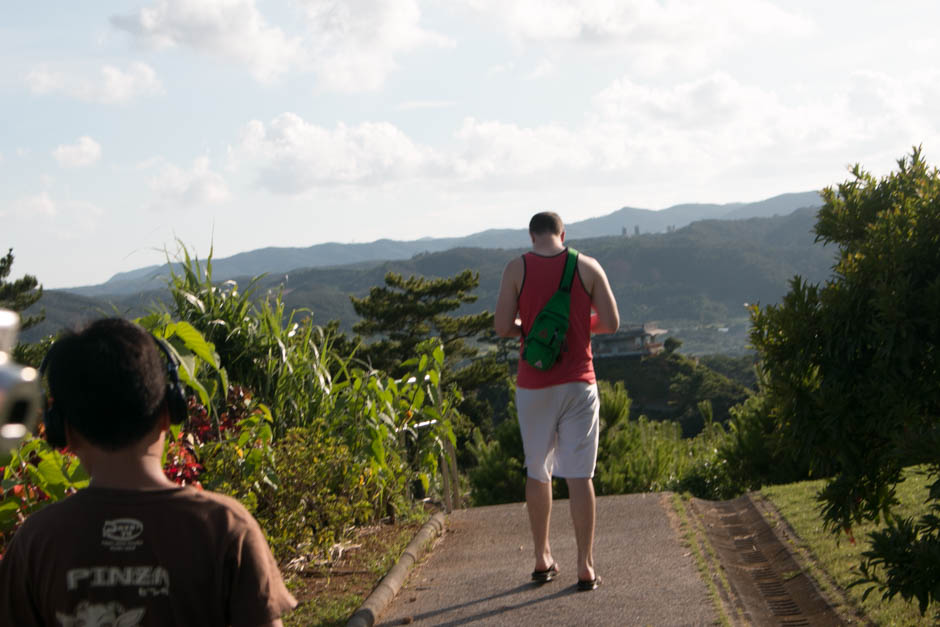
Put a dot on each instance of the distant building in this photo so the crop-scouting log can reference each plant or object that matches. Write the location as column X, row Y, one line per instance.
column 630, row 341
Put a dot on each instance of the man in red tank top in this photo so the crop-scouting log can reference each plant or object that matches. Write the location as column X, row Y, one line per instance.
column 558, row 408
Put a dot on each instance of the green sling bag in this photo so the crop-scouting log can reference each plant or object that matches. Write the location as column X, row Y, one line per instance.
column 544, row 341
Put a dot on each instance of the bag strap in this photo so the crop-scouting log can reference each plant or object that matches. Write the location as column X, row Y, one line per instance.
column 571, row 264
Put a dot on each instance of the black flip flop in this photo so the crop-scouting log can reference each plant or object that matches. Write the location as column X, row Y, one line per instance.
column 544, row 576
column 584, row 585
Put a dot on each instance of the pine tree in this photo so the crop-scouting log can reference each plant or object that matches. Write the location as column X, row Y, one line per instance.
column 18, row 295
column 404, row 312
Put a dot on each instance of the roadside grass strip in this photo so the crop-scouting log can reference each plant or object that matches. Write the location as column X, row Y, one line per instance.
column 832, row 560
column 328, row 596
column 706, row 560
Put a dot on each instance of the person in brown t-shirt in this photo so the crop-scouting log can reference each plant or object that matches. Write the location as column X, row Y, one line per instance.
column 133, row 548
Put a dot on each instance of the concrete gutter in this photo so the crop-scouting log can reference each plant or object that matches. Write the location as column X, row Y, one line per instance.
column 383, row 593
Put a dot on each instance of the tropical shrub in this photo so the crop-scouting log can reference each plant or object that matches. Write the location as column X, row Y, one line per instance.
column 321, row 492
column 34, row 476
column 498, row 476
column 285, row 359
column 851, row 367
column 634, row 455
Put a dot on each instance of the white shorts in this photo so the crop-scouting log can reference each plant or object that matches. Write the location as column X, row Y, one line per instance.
column 559, row 426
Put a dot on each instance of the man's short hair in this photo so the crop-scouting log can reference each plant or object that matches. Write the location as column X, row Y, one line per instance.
column 545, row 223
column 108, row 382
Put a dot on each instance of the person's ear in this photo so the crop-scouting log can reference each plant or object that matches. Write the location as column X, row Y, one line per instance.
column 562, row 236
column 73, row 440
column 164, row 420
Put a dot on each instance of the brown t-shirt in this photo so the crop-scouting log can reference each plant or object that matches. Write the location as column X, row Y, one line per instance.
column 117, row 557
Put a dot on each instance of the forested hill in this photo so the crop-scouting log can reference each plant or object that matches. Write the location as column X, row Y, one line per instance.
column 280, row 260
column 703, row 272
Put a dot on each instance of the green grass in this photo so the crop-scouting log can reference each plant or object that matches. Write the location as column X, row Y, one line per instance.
column 327, row 598
column 706, row 561
column 839, row 558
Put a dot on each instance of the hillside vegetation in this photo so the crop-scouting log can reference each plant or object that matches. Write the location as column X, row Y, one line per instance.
column 696, row 278
column 278, row 260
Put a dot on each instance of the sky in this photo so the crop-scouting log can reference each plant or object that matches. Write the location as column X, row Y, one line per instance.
column 129, row 127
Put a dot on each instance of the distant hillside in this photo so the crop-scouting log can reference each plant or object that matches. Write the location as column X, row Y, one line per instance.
column 703, row 272
column 281, row 260
column 693, row 277
column 64, row 310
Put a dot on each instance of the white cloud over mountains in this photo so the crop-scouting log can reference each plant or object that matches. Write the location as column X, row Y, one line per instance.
column 84, row 152
column 705, row 129
column 293, row 156
column 113, row 85
column 176, row 187
column 350, row 45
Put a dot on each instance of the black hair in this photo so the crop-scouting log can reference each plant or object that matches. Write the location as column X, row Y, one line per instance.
column 547, row 222
column 108, row 382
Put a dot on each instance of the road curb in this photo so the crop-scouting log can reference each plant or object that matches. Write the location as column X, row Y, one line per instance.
column 383, row 593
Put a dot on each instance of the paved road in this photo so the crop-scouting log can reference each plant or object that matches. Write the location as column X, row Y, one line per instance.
column 478, row 574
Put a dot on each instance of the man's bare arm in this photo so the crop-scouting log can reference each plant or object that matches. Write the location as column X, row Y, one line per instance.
column 607, row 318
column 507, row 304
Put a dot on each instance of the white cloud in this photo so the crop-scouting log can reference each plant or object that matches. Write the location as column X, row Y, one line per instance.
column 293, row 156
column 637, row 21
column 113, row 85
column 351, row 45
column 230, row 29
column 659, row 34
column 83, row 153
column 507, row 151
column 413, row 105
column 176, row 187
column 689, row 135
column 498, row 69
column 543, row 69
column 39, row 205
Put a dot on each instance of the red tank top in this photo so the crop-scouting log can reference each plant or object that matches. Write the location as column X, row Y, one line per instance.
column 540, row 280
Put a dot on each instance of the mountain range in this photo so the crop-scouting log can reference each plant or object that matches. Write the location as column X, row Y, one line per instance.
column 688, row 271
column 275, row 260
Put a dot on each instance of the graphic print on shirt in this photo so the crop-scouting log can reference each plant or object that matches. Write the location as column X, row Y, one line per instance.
column 149, row 580
column 102, row 615
column 122, row 534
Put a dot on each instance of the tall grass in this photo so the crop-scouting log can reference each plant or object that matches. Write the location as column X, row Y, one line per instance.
column 285, row 359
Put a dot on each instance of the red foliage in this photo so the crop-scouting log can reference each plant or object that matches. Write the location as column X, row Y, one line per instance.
column 182, row 465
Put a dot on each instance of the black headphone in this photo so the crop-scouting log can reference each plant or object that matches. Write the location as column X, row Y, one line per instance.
column 174, row 396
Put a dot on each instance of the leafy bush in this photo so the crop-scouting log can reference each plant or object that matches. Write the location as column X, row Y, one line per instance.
column 670, row 386
column 285, row 359
column 754, row 451
column 34, row 476
column 321, row 492
column 851, row 366
column 499, row 476
column 634, row 455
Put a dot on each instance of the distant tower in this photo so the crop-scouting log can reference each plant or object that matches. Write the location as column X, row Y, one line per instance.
column 624, row 232
column 636, row 229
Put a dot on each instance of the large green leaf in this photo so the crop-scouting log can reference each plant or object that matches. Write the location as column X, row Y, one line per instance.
column 195, row 342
